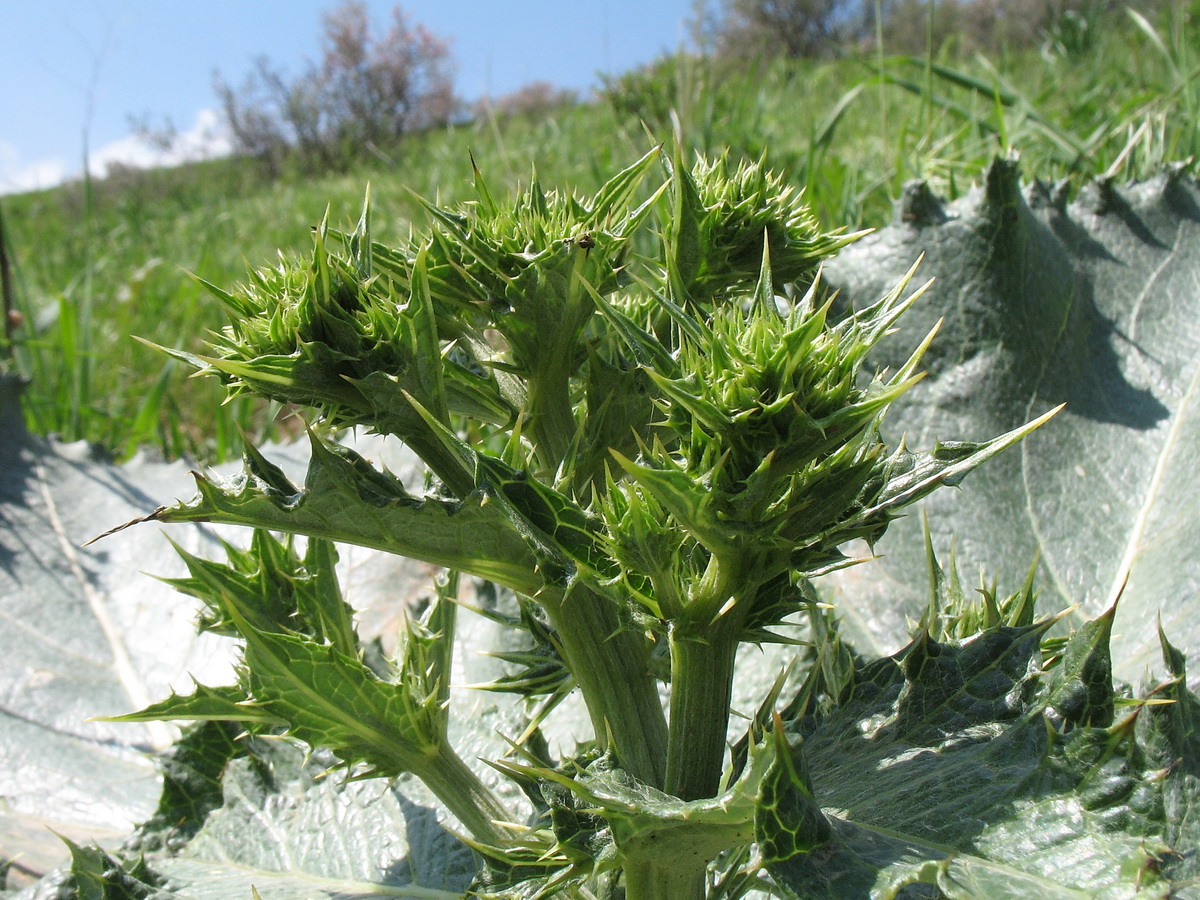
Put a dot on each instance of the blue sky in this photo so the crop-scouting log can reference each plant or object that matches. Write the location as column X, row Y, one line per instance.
column 76, row 67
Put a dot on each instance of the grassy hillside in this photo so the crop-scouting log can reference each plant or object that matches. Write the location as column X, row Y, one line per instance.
column 97, row 263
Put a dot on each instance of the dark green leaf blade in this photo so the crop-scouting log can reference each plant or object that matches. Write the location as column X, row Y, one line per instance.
column 83, row 634
column 192, row 774
column 292, row 833
column 963, row 764
column 1089, row 304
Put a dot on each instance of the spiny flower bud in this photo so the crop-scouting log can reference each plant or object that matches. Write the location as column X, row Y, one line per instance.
column 717, row 225
column 768, row 450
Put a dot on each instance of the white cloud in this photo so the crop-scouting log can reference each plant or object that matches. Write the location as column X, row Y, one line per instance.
column 206, row 139
column 18, row 176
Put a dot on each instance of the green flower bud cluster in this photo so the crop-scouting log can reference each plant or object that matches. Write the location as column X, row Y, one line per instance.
column 328, row 335
column 768, row 451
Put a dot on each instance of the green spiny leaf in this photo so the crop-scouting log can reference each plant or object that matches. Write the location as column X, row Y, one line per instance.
column 330, row 700
column 96, row 875
column 220, row 704
column 1079, row 690
column 788, row 821
column 345, row 499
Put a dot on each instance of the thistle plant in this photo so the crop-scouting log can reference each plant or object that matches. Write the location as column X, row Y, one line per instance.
column 641, row 417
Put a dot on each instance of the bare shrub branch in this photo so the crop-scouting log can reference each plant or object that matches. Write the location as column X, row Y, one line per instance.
column 367, row 91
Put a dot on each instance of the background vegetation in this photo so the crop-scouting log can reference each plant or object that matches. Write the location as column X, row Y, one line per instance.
column 884, row 93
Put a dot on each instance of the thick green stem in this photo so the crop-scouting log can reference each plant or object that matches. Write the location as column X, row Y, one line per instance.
column 551, row 419
column 655, row 880
column 701, row 692
column 548, row 398
column 468, row 798
column 611, row 664
column 445, row 465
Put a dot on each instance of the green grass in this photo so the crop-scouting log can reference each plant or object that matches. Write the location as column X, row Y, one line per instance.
column 97, row 263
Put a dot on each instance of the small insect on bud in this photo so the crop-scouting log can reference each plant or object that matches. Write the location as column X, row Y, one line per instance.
column 586, row 242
